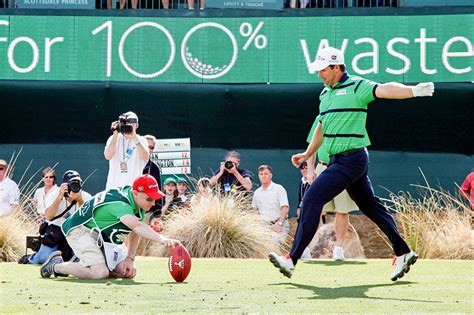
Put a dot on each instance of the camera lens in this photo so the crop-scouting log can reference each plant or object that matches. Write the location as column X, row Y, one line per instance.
column 229, row 164
column 74, row 186
column 127, row 129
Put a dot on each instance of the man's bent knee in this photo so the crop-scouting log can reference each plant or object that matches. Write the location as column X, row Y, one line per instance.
column 99, row 271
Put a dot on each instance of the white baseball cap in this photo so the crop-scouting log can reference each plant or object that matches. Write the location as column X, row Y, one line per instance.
column 326, row 57
column 130, row 115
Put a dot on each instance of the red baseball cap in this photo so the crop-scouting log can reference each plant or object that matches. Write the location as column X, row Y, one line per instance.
column 147, row 184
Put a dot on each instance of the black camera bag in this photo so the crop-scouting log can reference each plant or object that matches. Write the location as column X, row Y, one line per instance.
column 52, row 234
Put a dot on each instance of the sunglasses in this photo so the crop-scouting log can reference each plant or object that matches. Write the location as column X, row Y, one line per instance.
column 52, row 177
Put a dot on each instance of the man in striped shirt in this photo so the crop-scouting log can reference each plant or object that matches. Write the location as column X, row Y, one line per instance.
column 342, row 120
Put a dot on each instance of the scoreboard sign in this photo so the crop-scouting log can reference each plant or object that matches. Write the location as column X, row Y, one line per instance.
column 173, row 156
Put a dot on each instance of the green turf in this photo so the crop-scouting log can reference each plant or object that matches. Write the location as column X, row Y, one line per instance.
column 248, row 286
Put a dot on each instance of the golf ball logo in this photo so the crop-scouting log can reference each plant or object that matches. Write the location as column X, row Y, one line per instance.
column 195, row 56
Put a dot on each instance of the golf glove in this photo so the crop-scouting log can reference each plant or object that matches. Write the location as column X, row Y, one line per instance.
column 423, row 89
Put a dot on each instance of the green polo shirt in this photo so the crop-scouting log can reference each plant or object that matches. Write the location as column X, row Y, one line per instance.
column 323, row 156
column 343, row 113
column 110, row 214
column 102, row 213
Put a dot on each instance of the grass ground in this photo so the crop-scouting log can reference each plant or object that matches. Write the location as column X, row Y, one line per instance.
column 247, row 286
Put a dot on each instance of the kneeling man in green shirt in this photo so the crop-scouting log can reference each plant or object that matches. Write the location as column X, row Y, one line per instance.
column 96, row 232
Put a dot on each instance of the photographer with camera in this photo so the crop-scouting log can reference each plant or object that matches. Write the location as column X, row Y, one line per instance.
column 126, row 151
column 59, row 204
column 230, row 177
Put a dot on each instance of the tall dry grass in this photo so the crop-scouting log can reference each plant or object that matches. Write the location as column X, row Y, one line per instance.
column 435, row 225
column 223, row 226
column 13, row 231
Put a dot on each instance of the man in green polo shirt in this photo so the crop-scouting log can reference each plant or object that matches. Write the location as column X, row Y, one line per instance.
column 96, row 232
column 343, row 113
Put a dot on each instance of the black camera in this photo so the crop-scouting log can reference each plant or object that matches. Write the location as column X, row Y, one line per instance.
column 74, row 185
column 124, row 123
column 123, row 126
column 73, row 180
column 228, row 165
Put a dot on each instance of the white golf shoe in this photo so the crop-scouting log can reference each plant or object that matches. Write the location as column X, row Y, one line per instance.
column 284, row 264
column 338, row 254
column 306, row 256
column 402, row 265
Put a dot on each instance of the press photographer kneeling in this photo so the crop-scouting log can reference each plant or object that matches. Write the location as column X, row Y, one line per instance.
column 66, row 200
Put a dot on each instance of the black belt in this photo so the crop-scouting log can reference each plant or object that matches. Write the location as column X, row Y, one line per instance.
column 348, row 152
column 323, row 163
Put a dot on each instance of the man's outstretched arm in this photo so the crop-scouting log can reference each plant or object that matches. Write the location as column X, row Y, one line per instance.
column 394, row 90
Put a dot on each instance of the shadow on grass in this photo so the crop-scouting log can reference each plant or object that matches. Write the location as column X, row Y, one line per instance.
column 355, row 292
column 109, row 281
column 118, row 281
column 332, row 263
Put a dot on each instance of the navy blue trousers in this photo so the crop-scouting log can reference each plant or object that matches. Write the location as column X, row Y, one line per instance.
column 348, row 172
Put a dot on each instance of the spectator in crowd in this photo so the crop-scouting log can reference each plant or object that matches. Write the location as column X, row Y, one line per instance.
column 183, row 193
column 342, row 204
column 96, row 233
column 48, row 177
column 230, row 177
column 303, row 3
column 202, row 4
column 154, row 170
column 9, row 192
column 203, row 193
column 304, row 185
column 60, row 203
column 126, row 151
column 171, row 198
column 467, row 189
column 271, row 201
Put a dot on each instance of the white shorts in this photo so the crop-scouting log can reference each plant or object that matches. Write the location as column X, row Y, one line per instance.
column 342, row 203
column 84, row 244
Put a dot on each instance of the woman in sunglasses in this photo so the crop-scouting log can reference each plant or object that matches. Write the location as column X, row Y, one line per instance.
column 48, row 178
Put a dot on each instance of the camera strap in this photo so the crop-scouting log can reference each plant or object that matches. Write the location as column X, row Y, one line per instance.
column 67, row 209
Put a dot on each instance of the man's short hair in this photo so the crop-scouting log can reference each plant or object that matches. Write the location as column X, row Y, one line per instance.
column 232, row 154
column 342, row 67
column 265, row 167
column 151, row 138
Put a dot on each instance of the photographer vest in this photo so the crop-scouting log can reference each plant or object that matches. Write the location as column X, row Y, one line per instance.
column 113, row 202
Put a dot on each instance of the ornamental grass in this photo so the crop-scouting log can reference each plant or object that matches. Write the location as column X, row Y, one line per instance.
column 223, row 226
column 436, row 225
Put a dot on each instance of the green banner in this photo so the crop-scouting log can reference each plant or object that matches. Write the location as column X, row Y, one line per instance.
column 234, row 50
